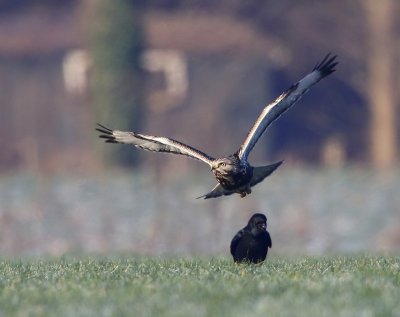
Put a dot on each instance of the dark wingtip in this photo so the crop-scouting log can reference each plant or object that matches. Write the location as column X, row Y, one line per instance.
column 103, row 129
column 106, row 133
column 202, row 196
column 327, row 65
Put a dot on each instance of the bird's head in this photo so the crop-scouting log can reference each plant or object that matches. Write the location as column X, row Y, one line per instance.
column 258, row 224
column 226, row 165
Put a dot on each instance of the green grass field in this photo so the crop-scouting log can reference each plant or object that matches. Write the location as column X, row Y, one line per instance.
column 306, row 286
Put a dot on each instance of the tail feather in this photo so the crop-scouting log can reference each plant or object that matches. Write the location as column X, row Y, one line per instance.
column 261, row 172
column 217, row 191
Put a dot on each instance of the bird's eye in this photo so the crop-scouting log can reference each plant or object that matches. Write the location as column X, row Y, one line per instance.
column 222, row 164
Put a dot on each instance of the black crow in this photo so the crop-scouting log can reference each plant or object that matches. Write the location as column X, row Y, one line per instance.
column 252, row 242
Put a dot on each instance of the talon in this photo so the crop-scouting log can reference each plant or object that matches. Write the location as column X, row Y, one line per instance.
column 243, row 194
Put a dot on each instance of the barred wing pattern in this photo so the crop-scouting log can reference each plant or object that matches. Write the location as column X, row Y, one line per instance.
column 152, row 143
column 286, row 100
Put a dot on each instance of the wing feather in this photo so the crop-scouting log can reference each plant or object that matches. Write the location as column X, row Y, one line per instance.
column 152, row 143
column 269, row 240
column 286, row 100
column 235, row 241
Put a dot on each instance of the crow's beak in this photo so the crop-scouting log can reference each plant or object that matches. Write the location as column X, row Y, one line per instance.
column 264, row 226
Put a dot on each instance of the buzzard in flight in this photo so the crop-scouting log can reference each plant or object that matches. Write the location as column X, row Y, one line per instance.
column 233, row 173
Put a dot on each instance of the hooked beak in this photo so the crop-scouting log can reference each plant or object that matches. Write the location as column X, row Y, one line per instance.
column 214, row 166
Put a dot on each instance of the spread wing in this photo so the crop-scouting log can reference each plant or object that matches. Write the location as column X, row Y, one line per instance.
column 275, row 109
column 217, row 191
column 152, row 143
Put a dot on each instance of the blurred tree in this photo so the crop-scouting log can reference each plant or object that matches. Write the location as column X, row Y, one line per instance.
column 117, row 80
column 381, row 90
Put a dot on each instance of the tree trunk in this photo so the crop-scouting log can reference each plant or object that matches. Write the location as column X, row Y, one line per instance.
column 380, row 87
